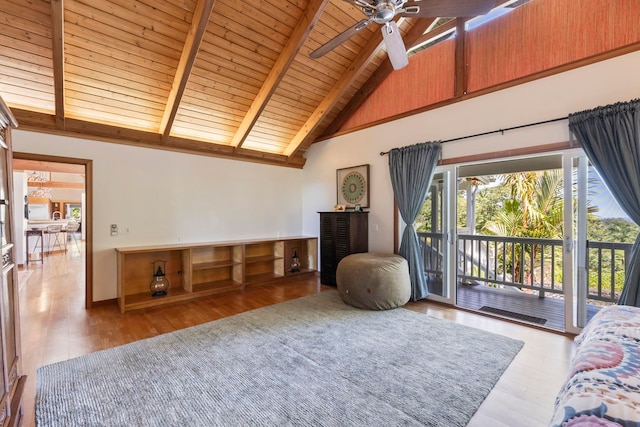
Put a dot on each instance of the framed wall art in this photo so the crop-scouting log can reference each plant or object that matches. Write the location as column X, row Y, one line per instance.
column 353, row 186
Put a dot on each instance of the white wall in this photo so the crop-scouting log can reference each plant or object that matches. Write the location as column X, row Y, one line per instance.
column 603, row 83
column 167, row 197
column 66, row 194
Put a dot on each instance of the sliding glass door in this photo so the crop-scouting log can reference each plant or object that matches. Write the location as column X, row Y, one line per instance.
column 436, row 236
column 535, row 239
column 600, row 236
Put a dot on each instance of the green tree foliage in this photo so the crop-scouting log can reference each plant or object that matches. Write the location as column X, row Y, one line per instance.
column 611, row 229
column 601, row 263
column 533, row 207
column 490, row 202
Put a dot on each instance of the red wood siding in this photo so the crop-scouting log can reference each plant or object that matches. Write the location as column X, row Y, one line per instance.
column 544, row 34
column 535, row 37
column 429, row 78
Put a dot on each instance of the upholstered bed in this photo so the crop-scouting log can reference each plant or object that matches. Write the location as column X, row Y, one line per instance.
column 603, row 387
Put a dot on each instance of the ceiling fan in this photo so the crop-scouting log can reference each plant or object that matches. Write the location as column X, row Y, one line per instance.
column 384, row 11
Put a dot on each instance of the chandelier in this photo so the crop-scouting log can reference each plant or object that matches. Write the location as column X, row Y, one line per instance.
column 41, row 192
column 36, row 177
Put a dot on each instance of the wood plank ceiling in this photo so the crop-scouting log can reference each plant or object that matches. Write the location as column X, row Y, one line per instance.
column 225, row 78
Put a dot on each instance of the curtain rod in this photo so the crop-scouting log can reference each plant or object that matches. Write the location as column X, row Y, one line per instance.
column 502, row 131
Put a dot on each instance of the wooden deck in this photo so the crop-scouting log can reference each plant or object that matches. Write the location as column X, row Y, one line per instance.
column 518, row 306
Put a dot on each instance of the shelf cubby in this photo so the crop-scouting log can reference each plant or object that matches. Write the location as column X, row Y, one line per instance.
column 216, row 268
column 307, row 251
column 137, row 273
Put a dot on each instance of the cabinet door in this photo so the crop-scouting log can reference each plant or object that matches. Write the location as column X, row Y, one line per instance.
column 327, row 249
column 5, row 209
column 335, row 244
column 9, row 313
column 4, row 389
column 342, row 233
column 7, row 291
column 9, row 337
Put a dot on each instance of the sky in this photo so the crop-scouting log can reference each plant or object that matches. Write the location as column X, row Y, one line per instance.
column 600, row 196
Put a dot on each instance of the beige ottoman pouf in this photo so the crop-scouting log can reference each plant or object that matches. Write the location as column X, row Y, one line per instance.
column 374, row 281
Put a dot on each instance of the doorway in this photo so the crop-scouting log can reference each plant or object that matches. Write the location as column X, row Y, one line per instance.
column 39, row 162
column 537, row 239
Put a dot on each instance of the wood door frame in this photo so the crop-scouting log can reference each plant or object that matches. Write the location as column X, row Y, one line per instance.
column 87, row 221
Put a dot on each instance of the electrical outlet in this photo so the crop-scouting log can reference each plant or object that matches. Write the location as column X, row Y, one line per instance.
column 114, row 229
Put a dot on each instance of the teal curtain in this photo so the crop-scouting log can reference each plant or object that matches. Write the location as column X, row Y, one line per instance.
column 411, row 169
column 610, row 136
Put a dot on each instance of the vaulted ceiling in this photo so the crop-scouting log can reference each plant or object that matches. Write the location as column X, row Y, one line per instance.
column 228, row 78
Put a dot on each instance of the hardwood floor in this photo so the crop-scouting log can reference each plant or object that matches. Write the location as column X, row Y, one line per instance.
column 55, row 327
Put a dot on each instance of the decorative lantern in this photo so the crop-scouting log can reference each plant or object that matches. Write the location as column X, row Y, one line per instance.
column 160, row 284
column 295, row 262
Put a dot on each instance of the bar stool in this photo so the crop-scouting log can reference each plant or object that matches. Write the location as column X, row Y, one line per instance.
column 39, row 233
column 54, row 233
column 71, row 229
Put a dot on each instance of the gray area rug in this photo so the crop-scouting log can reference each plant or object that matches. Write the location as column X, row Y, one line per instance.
column 313, row 361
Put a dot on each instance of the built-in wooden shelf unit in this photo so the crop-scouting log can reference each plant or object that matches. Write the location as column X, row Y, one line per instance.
column 196, row 270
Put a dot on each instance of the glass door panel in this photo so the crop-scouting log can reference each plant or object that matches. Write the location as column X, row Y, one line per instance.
column 432, row 226
column 601, row 241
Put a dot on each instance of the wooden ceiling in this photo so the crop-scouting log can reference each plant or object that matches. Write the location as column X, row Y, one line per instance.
column 225, row 78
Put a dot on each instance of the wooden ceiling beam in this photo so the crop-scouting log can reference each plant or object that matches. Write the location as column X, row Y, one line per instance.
column 39, row 165
column 302, row 139
column 57, row 184
column 33, row 120
column 460, row 67
column 57, row 41
column 297, row 39
column 45, row 123
column 199, row 23
column 381, row 73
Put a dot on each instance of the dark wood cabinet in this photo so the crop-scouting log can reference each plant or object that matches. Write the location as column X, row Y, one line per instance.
column 341, row 234
column 11, row 381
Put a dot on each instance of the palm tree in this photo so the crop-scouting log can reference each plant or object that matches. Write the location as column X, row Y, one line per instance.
column 523, row 188
column 533, row 210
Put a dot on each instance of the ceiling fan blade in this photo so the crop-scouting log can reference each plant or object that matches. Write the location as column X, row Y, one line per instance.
column 395, row 46
column 340, row 38
column 449, row 9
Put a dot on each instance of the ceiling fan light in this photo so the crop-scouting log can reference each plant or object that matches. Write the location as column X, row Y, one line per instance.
column 395, row 46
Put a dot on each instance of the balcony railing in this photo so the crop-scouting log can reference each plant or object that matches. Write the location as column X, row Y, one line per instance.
column 608, row 263
column 529, row 264
column 533, row 265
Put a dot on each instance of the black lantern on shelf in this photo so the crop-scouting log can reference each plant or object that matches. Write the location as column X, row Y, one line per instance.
column 295, row 263
column 160, row 284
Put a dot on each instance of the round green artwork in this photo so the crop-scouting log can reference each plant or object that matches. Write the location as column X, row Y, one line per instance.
column 354, row 187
